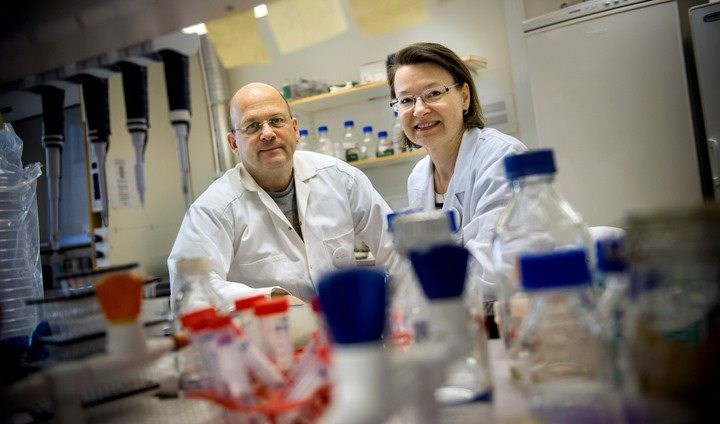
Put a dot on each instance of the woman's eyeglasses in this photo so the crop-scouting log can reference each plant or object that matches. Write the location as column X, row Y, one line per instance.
column 430, row 95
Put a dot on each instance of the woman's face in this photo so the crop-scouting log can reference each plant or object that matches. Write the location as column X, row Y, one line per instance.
column 432, row 125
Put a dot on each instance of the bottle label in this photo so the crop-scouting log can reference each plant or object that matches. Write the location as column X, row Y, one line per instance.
column 386, row 152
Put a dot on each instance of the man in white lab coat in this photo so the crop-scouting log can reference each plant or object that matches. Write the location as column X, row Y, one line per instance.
column 280, row 218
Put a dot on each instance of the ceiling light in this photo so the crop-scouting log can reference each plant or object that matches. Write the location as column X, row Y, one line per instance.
column 260, row 10
column 198, row 29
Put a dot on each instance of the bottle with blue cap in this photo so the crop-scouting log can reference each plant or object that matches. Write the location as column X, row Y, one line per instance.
column 413, row 230
column 384, row 146
column 350, row 143
column 368, row 145
column 436, row 306
column 566, row 367
column 354, row 303
column 325, row 144
column 536, row 219
column 442, row 271
column 304, row 140
column 613, row 300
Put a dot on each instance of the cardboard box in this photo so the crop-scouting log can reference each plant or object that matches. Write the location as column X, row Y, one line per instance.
column 373, row 71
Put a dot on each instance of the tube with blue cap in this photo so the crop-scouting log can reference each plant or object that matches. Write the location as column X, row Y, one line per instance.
column 354, row 303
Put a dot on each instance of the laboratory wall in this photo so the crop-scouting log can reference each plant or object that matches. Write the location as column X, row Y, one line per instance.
column 469, row 27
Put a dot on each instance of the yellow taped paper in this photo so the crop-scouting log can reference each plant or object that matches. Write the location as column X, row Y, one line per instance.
column 297, row 24
column 379, row 17
column 237, row 40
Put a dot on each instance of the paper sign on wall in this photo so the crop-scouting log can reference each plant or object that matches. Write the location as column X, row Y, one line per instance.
column 237, row 40
column 379, row 17
column 297, row 24
column 122, row 191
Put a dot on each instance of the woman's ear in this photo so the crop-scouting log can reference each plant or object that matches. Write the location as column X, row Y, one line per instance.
column 465, row 94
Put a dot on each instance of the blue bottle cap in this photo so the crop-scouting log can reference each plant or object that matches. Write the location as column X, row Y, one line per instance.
column 353, row 301
column 561, row 268
column 533, row 162
column 611, row 255
column 303, row 132
column 367, row 128
column 349, row 123
column 441, row 270
column 322, row 128
column 382, row 133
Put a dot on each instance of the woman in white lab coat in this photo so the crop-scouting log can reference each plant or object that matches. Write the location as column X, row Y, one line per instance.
column 434, row 94
column 280, row 218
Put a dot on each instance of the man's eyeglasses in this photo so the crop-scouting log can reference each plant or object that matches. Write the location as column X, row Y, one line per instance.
column 255, row 126
column 431, row 95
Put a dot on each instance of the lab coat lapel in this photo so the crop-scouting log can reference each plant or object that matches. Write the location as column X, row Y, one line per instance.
column 461, row 173
column 424, row 186
column 278, row 217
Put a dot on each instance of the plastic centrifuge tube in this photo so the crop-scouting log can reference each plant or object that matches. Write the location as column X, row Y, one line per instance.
column 231, row 367
column 272, row 315
column 259, row 364
column 245, row 317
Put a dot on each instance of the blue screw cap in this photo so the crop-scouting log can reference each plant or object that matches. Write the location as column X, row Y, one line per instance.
column 353, row 301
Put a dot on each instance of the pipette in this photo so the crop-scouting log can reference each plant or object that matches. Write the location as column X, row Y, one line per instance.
column 53, row 117
column 95, row 96
column 134, row 78
column 178, row 91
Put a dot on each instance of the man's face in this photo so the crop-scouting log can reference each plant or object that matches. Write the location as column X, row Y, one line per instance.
column 264, row 135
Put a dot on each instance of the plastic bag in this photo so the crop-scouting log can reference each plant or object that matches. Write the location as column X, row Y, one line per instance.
column 20, row 268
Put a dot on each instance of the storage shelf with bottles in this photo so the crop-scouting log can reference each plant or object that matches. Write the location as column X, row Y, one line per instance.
column 391, row 159
column 365, row 92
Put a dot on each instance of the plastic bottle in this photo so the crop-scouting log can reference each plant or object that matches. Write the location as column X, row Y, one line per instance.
column 384, row 147
column 397, row 135
column 368, row 146
column 325, row 144
column 566, row 367
column 304, row 142
column 350, row 143
column 537, row 219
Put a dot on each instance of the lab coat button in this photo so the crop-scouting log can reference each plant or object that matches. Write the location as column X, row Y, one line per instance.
column 341, row 257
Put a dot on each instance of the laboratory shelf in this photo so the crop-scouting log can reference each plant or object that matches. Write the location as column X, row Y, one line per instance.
column 387, row 160
column 365, row 92
column 341, row 97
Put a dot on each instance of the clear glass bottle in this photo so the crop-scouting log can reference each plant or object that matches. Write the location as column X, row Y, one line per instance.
column 304, row 140
column 397, row 135
column 368, row 145
column 384, row 146
column 565, row 364
column 350, row 143
column 325, row 144
column 537, row 219
column 612, row 300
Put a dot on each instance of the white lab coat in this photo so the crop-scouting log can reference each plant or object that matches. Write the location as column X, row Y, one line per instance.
column 478, row 191
column 251, row 245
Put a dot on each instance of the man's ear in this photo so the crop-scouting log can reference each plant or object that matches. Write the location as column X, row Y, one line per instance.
column 232, row 141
